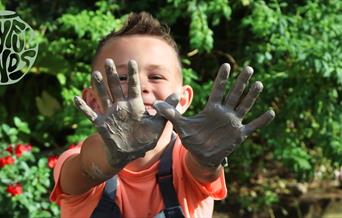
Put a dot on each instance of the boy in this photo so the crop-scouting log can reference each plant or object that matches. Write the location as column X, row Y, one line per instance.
column 129, row 104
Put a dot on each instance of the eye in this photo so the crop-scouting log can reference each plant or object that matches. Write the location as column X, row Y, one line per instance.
column 123, row 77
column 156, row 77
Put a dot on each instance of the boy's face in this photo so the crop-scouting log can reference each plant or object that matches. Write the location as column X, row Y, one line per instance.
column 159, row 68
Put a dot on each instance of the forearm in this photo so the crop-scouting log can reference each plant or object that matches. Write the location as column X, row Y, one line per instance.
column 87, row 169
column 202, row 173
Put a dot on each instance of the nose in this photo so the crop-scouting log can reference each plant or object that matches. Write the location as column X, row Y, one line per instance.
column 145, row 85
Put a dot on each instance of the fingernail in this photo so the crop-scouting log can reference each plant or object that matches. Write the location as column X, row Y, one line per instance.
column 258, row 86
column 249, row 70
column 97, row 76
column 132, row 63
column 109, row 62
column 226, row 69
column 272, row 113
column 77, row 100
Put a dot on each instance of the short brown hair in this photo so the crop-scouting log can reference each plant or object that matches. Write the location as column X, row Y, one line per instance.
column 140, row 24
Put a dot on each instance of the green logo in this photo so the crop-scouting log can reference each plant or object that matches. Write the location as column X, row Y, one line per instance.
column 18, row 50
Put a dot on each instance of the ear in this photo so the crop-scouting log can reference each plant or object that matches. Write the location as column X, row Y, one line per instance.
column 89, row 96
column 185, row 99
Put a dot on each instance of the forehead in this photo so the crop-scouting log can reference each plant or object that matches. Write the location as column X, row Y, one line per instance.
column 146, row 50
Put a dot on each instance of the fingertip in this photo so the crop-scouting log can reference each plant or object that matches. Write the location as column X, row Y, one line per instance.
column 132, row 63
column 156, row 104
column 224, row 70
column 249, row 70
column 175, row 96
column 258, row 86
column 226, row 66
column 109, row 62
column 77, row 101
column 173, row 99
column 271, row 113
column 97, row 76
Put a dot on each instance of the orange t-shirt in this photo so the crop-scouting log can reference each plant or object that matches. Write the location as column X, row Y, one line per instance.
column 138, row 193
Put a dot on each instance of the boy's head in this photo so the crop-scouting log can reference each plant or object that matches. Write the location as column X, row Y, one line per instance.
column 150, row 44
column 140, row 24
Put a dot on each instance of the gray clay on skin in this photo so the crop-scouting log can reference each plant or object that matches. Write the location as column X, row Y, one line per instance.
column 215, row 132
column 127, row 130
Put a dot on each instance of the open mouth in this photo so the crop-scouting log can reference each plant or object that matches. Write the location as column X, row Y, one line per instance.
column 150, row 109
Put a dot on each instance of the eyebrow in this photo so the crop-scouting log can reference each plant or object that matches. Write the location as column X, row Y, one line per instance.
column 149, row 67
column 157, row 67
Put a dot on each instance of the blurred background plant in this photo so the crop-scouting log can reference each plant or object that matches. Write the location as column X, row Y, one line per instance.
column 295, row 48
column 26, row 175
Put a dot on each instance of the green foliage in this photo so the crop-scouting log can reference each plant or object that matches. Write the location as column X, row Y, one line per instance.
column 199, row 12
column 301, row 49
column 26, row 171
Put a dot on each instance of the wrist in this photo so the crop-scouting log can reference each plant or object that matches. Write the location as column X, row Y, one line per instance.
column 93, row 165
column 204, row 163
column 210, row 162
column 200, row 171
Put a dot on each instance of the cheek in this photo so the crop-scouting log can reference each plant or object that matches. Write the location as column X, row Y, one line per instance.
column 162, row 92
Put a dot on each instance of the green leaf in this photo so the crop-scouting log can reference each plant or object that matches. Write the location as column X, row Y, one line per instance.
column 61, row 78
column 22, row 126
column 46, row 104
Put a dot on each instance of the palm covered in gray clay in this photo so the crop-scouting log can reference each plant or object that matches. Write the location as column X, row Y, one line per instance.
column 215, row 132
column 126, row 128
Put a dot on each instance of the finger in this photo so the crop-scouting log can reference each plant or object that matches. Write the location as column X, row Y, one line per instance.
column 248, row 101
column 101, row 89
column 113, row 81
column 134, row 90
column 219, row 84
column 259, row 122
column 168, row 111
column 85, row 109
column 240, row 84
column 173, row 99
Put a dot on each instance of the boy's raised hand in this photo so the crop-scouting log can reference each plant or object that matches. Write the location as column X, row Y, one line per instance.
column 215, row 132
column 126, row 128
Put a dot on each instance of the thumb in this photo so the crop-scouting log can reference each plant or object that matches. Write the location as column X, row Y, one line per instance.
column 168, row 111
column 173, row 99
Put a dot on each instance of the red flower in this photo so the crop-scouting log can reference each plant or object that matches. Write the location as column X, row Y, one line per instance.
column 28, row 147
column 14, row 189
column 10, row 149
column 9, row 160
column 2, row 162
column 52, row 160
column 6, row 160
column 20, row 149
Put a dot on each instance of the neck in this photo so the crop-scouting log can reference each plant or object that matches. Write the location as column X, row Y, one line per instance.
column 153, row 155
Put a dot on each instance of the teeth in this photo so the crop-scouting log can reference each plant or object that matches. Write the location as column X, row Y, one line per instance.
column 150, row 109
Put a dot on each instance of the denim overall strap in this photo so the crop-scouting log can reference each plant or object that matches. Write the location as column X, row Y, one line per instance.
column 165, row 182
column 107, row 208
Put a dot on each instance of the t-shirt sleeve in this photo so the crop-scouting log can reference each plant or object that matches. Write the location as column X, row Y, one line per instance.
column 216, row 189
column 73, row 205
column 56, row 191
